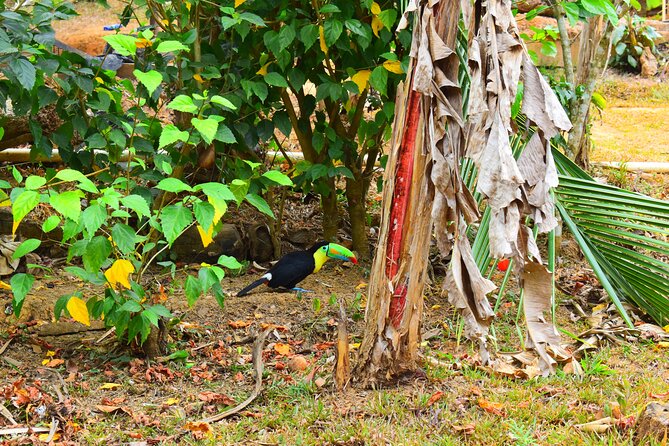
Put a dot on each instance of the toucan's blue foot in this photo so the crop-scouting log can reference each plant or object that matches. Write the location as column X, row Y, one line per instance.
column 301, row 290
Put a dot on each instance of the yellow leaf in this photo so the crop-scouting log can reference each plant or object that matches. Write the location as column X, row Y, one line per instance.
column 321, row 37
column 394, row 66
column 239, row 3
column 361, row 79
column 198, row 78
column 263, row 70
column 172, row 401
column 666, row 328
column 78, row 310
column 43, row 437
column 142, row 43
column 187, row 5
column 205, row 264
column 119, row 273
column 220, row 206
column 600, row 307
column 5, row 286
column 436, row 307
column 361, row 285
column 663, row 344
column 282, row 349
column 377, row 25
column 376, row 9
column 45, row 361
column 354, row 345
column 99, row 80
column 5, row 201
column 109, row 386
column 15, row 226
column 206, row 237
column 51, row 353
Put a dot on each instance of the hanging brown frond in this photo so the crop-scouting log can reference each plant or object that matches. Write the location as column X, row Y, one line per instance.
column 424, row 187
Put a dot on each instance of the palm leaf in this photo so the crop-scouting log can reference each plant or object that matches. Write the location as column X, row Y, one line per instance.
column 622, row 235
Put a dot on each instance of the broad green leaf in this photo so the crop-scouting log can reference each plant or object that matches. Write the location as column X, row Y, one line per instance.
column 131, row 306
column 24, row 203
column 21, row 284
column 50, row 223
column 333, row 29
column 217, row 190
column 379, row 79
column 229, row 262
column 276, row 80
column 601, row 7
column 193, row 290
column 204, row 214
column 278, row 177
column 220, row 100
column 97, row 251
column 174, row 185
column 151, row 79
column 24, row 71
column 225, row 135
column 151, row 317
column 124, row 237
column 93, row 217
column 122, row 44
column 171, row 46
column 174, row 219
column 285, row 37
column 138, row 204
column 67, row 203
column 24, row 248
column 548, row 48
column 183, row 103
column 309, row 35
column 207, row 128
column 259, row 203
column 239, row 188
column 74, row 175
column 33, row 182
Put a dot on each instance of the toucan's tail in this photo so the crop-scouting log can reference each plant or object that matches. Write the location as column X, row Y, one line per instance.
column 257, row 283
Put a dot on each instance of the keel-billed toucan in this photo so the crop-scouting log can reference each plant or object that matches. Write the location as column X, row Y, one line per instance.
column 292, row 268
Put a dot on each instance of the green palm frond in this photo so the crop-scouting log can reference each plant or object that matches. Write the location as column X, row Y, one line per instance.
column 623, row 236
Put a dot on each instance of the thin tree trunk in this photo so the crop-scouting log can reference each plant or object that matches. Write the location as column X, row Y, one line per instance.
column 330, row 212
column 593, row 53
column 355, row 196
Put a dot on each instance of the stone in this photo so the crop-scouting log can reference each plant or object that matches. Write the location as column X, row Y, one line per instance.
column 653, row 423
column 648, row 62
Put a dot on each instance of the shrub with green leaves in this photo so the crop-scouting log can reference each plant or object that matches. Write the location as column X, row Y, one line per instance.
column 112, row 238
column 628, row 41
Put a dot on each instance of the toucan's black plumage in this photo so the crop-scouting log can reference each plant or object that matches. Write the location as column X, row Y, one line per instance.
column 294, row 267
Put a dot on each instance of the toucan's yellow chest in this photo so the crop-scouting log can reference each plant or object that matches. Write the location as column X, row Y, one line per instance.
column 319, row 260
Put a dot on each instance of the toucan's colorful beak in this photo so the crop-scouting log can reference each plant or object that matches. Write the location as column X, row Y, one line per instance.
column 336, row 251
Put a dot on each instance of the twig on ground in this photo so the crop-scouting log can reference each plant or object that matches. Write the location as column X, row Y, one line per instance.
column 107, row 333
column 200, row 347
column 52, row 432
column 23, row 430
column 342, row 371
column 7, row 414
column 258, row 367
column 62, row 383
column 5, row 345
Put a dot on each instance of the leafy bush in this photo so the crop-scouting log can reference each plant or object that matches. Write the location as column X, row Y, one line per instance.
column 629, row 39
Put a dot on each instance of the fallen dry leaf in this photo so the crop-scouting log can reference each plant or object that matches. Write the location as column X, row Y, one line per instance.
column 216, row 398
column 109, row 386
column 113, row 401
column 282, row 349
column 436, row 396
column 199, row 429
column 108, row 409
column 320, row 382
column 466, row 429
column 54, row 362
column 492, row 407
column 239, row 324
